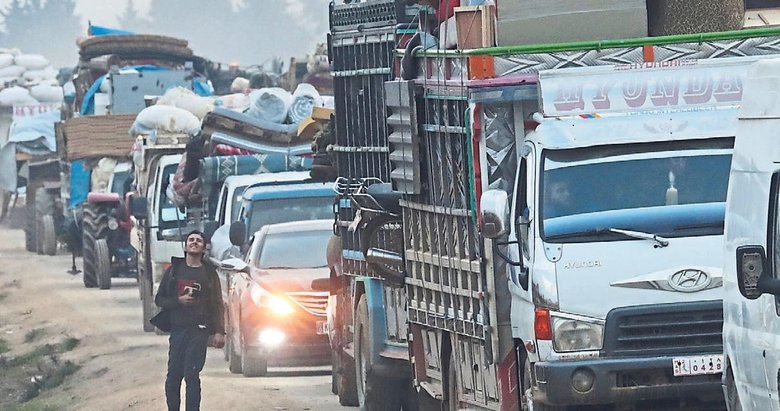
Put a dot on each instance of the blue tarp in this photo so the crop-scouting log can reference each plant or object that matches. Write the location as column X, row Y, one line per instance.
column 202, row 88
column 79, row 183
column 106, row 31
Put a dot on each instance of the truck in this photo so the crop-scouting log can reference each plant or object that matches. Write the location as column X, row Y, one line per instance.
column 750, row 275
column 453, row 271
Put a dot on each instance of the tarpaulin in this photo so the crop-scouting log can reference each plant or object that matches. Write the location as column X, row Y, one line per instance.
column 35, row 133
column 79, row 183
column 106, row 31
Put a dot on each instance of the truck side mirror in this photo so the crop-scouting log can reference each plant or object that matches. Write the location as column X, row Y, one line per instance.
column 321, row 284
column 753, row 276
column 237, row 233
column 494, row 213
column 139, row 208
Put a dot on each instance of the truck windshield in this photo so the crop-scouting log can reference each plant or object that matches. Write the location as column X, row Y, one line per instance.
column 285, row 210
column 168, row 211
column 301, row 249
column 118, row 182
column 675, row 189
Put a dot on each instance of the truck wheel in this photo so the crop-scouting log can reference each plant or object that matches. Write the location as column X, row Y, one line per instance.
column 526, row 401
column 730, row 390
column 147, row 300
column 373, row 393
column 48, row 236
column 346, row 386
column 234, row 360
column 103, row 264
column 29, row 228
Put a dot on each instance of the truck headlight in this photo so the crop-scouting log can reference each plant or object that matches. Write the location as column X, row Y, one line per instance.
column 576, row 335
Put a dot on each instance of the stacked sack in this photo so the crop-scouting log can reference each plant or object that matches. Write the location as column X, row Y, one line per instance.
column 27, row 79
column 277, row 105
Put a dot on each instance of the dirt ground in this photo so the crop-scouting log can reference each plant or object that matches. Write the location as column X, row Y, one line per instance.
column 64, row 347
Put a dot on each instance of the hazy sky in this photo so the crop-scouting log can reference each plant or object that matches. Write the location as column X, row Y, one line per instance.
column 292, row 41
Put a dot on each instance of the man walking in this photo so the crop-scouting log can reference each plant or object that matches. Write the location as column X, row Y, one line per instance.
column 190, row 290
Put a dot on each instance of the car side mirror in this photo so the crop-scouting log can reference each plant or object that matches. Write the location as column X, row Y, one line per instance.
column 237, row 233
column 753, row 276
column 494, row 212
column 234, row 264
column 321, row 284
column 139, row 208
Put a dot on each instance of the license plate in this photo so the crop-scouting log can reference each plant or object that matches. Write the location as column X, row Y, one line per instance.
column 697, row 365
column 322, row 327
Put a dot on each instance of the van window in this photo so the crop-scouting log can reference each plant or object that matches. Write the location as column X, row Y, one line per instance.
column 672, row 189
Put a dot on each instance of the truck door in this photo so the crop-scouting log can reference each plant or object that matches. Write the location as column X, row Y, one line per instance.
column 768, row 333
column 522, row 234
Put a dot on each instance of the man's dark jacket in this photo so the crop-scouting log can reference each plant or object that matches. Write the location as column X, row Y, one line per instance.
column 167, row 296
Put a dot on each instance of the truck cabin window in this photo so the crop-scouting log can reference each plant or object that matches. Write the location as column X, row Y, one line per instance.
column 169, row 213
column 675, row 189
column 284, row 210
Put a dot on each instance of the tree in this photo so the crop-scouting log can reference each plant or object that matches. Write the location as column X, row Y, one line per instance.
column 130, row 20
column 46, row 27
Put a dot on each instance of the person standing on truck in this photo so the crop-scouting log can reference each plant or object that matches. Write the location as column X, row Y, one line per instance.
column 190, row 290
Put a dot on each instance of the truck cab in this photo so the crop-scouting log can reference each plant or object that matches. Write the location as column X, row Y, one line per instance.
column 615, row 241
column 751, row 302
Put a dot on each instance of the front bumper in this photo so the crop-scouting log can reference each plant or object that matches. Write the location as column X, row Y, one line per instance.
column 620, row 380
column 301, row 345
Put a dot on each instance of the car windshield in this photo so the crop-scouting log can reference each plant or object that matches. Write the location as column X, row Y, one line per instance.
column 298, row 249
column 673, row 190
column 285, row 210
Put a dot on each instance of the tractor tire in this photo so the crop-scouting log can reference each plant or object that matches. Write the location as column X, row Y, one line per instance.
column 44, row 206
column 30, row 243
column 94, row 227
column 48, row 235
column 103, row 264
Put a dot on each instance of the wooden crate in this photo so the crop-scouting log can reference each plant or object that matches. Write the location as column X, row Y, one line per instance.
column 476, row 26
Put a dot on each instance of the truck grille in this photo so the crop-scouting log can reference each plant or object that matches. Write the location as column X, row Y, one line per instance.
column 314, row 303
column 667, row 329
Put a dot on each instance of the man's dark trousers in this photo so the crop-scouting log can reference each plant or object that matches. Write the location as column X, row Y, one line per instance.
column 186, row 357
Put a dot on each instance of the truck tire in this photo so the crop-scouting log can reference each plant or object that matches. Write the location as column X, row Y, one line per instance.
column 374, row 393
column 47, row 235
column 103, row 264
column 29, row 228
column 526, row 402
column 44, row 206
column 346, row 386
column 147, row 298
column 94, row 227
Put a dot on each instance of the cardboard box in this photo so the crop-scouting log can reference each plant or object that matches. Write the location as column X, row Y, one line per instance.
column 523, row 22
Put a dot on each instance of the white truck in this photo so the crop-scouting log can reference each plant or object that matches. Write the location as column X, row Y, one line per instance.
column 154, row 212
column 751, row 271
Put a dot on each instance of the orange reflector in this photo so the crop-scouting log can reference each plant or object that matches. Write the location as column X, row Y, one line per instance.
column 542, row 326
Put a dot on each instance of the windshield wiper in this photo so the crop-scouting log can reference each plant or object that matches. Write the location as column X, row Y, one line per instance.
column 661, row 241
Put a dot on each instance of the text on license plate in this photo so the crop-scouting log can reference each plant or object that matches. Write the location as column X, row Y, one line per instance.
column 322, row 327
column 697, row 365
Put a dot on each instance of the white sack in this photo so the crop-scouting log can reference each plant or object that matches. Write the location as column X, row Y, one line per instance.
column 305, row 98
column 105, row 86
column 16, row 95
column 239, row 85
column 47, row 73
column 270, row 104
column 167, row 118
column 12, row 71
column 47, row 93
column 101, row 175
column 237, row 101
column 187, row 99
column 31, row 61
column 6, row 60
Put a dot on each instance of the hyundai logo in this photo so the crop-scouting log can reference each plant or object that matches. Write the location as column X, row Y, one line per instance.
column 689, row 281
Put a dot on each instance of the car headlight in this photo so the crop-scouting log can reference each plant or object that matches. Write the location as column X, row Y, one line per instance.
column 576, row 335
column 113, row 224
column 264, row 299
